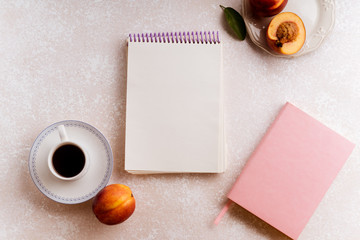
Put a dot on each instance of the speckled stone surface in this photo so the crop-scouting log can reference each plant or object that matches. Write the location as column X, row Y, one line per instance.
column 67, row 60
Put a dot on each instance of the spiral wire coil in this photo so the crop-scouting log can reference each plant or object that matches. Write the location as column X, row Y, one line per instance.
column 200, row 37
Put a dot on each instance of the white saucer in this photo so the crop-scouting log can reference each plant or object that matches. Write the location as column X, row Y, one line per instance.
column 85, row 188
column 318, row 17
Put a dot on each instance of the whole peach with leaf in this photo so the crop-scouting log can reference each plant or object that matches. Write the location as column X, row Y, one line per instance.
column 114, row 204
column 267, row 8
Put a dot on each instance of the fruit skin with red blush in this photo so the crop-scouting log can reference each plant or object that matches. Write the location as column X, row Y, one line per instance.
column 267, row 8
column 114, row 204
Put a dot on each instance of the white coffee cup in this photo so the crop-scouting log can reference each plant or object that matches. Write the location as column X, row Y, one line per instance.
column 68, row 160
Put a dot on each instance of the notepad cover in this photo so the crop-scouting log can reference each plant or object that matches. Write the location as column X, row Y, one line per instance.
column 174, row 120
column 290, row 171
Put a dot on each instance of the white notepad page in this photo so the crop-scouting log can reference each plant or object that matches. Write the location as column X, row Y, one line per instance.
column 174, row 115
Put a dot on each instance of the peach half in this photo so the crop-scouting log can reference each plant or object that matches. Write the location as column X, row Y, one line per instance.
column 286, row 33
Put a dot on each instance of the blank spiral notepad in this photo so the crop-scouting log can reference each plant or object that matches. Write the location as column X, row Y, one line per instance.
column 174, row 120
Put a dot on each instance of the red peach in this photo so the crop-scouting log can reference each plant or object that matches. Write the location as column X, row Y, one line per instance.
column 114, row 204
column 267, row 8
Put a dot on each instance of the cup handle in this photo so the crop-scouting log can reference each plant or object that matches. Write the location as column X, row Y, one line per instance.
column 62, row 133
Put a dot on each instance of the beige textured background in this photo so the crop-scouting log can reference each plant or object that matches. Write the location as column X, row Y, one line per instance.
column 67, row 60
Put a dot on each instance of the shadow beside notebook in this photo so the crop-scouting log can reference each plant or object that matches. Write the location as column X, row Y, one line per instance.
column 253, row 222
column 118, row 146
column 172, row 177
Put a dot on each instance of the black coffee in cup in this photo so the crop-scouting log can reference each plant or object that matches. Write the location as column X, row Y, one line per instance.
column 68, row 160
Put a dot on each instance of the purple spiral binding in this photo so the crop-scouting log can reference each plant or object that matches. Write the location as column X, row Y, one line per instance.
column 198, row 37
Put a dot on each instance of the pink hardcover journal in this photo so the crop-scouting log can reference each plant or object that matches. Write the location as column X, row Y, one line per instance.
column 290, row 171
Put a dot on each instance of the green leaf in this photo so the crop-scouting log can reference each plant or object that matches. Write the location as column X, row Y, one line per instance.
column 235, row 21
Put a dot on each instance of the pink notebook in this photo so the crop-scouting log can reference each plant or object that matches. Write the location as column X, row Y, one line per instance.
column 290, row 171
